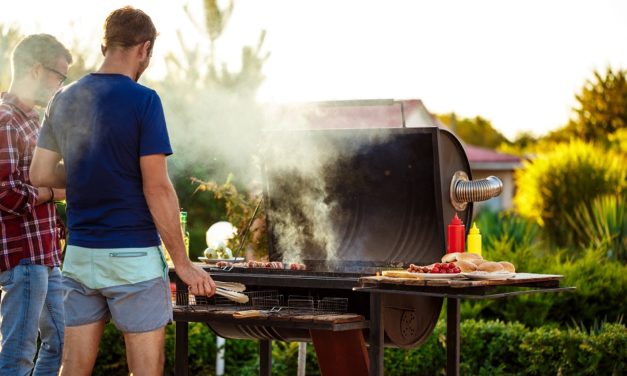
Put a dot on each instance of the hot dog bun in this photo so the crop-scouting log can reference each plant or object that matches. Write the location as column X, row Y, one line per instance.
column 398, row 274
column 508, row 266
column 490, row 267
column 450, row 257
column 466, row 266
column 478, row 262
column 460, row 256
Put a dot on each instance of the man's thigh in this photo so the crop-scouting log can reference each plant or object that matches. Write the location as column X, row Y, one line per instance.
column 81, row 348
column 145, row 352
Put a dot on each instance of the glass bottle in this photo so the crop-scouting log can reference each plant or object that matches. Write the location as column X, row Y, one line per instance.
column 184, row 231
column 183, row 220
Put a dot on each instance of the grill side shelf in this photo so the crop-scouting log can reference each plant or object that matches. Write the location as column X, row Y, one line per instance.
column 518, row 279
column 334, row 323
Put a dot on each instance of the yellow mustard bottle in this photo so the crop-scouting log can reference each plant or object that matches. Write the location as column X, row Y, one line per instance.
column 474, row 240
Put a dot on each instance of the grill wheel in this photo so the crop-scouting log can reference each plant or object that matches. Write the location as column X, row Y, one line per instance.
column 409, row 320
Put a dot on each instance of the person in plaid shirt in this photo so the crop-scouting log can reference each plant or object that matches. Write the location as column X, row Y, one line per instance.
column 30, row 255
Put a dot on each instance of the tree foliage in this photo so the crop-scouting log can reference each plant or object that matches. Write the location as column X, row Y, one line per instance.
column 9, row 36
column 555, row 184
column 601, row 110
column 476, row 131
column 214, row 124
column 197, row 66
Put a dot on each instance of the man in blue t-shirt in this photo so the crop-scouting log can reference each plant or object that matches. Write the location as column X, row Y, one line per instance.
column 104, row 139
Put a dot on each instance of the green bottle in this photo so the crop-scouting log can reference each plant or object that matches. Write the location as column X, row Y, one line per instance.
column 185, row 232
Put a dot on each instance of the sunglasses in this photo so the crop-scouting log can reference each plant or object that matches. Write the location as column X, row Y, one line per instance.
column 62, row 77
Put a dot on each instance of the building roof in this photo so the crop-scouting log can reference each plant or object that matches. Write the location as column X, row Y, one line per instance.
column 488, row 159
column 387, row 113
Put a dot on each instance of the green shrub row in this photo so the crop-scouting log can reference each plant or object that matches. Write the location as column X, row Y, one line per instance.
column 497, row 348
column 600, row 280
column 487, row 348
column 601, row 287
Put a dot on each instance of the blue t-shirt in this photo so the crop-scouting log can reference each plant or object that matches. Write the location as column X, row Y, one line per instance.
column 101, row 125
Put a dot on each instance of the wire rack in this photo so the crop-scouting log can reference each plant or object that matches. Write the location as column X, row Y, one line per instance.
column 303, row 305
column 183, row 300
column 308, row 306
column 268, row 301
column 332, row 305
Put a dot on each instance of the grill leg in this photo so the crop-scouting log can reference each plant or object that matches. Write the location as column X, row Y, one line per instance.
column 341, row 353
column 180, row 351
column 181, row 338
column 265, row 357
column 376, row 335
column 452, row 337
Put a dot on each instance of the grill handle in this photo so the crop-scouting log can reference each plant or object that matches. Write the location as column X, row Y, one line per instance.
column 464, row 191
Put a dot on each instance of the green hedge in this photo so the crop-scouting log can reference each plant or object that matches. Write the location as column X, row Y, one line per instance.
column 600, row 284
column 487, row 348
column 497, row 348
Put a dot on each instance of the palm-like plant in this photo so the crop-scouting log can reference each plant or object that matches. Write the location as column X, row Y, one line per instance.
column 603, row 225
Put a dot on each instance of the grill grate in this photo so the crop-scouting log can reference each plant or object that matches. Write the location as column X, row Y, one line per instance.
column 200, row 303
column 267, row 301
column 332, row 305
column 300, row 305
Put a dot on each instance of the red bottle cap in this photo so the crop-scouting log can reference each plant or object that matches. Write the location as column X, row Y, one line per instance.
column 456, row 220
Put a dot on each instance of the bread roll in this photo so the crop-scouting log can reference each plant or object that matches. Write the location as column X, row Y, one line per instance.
column 466, row 266
column 247, row 314
column 508, row 266
column 478, row 262
column 490, row 267
column 450, row 257
column 468, row 256
column 398, row 274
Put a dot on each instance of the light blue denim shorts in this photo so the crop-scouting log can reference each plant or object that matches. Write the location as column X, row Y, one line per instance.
column 130, row 286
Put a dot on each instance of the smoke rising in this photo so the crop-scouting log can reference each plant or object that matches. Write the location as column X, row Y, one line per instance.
column 217, row 132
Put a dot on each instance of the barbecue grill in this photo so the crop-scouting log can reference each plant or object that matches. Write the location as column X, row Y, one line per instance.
column 386, row 195
column 349, row 203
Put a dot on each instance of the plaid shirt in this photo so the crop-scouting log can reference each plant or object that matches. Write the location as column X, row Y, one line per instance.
column 26, row 231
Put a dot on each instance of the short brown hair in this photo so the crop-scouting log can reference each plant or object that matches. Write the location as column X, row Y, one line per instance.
column 127, row 27
column 37, row 48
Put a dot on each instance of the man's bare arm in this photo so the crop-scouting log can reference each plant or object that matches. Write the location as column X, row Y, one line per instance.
column 47, row 170
column 164, row 207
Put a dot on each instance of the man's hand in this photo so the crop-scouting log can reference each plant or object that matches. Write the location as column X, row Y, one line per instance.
column 59, row 194
column 200, row 282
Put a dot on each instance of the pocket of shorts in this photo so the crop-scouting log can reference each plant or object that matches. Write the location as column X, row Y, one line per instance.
column 128, row 254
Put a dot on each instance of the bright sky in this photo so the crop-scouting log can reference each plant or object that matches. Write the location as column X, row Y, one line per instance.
column 517, row 63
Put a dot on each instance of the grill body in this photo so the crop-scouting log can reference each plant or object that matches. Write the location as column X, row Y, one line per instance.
column 348, row 203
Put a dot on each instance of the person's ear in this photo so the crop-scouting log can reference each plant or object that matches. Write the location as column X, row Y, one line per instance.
column 103, row 49
column 145, row 49
column 36, row 70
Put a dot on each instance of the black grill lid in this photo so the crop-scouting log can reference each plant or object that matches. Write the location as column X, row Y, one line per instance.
column 369, row 196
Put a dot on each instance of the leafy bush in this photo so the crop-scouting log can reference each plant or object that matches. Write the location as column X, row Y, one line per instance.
column 487, row 348
column 557, row 183
column 601, row 287
column 600, row 291
column 497, row 348
column 507, row 236
column 603, row 225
